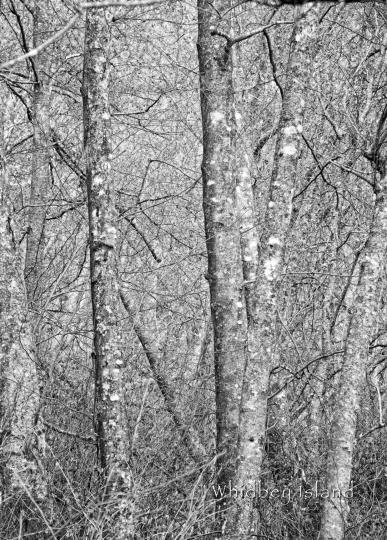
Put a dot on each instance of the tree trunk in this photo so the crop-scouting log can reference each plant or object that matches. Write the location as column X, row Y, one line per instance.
column 321, row 372
column 360, row 331
column 19, row 385
column 222, row 231
column 261, row 286
column 40, row 171
column 39, row 204
column 113, row 444
column 19, row 382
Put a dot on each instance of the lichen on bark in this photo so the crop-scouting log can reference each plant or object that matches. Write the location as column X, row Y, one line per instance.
column 112, row 436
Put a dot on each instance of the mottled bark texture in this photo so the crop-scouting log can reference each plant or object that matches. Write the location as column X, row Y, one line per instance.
column 221, row 227
column 113, row 444
column 261, row 285
column 360, row 331
column 243, row 282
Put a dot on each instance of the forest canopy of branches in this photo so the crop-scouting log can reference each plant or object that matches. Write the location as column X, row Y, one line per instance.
column 193, row 301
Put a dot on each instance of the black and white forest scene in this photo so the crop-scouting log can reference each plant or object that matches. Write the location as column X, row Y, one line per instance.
column 193, row 277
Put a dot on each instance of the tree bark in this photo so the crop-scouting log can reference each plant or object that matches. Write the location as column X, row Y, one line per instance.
column 222, row 231
column 360, row 331
column 240, row 277
column 261, row 285
column 40, row 171
column 19, row 381
column 112, row 441
column 19, row 384
column 319, row 377
column 39, row 203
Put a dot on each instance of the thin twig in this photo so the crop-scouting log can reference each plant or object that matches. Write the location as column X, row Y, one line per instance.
column 107, row 3
column 232, row 41
column 272, row 62
column 86, row 438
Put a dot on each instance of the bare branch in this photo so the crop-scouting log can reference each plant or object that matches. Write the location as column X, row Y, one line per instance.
column 44, row 45
column 279, row 3
column 86, row 438
column 72, row 21
column 189, row 434
column 272, row 62
column 258, row 31
column 243, row 37
column 107, row 3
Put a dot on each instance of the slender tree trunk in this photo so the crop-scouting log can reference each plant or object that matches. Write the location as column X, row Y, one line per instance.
column 113, row 444
column 222, row 231
column 321, row 371
column 40, row 172
column 39, row 202
column 361, row 329
column 261, row 285
column 19, row 382
column 19, row 385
